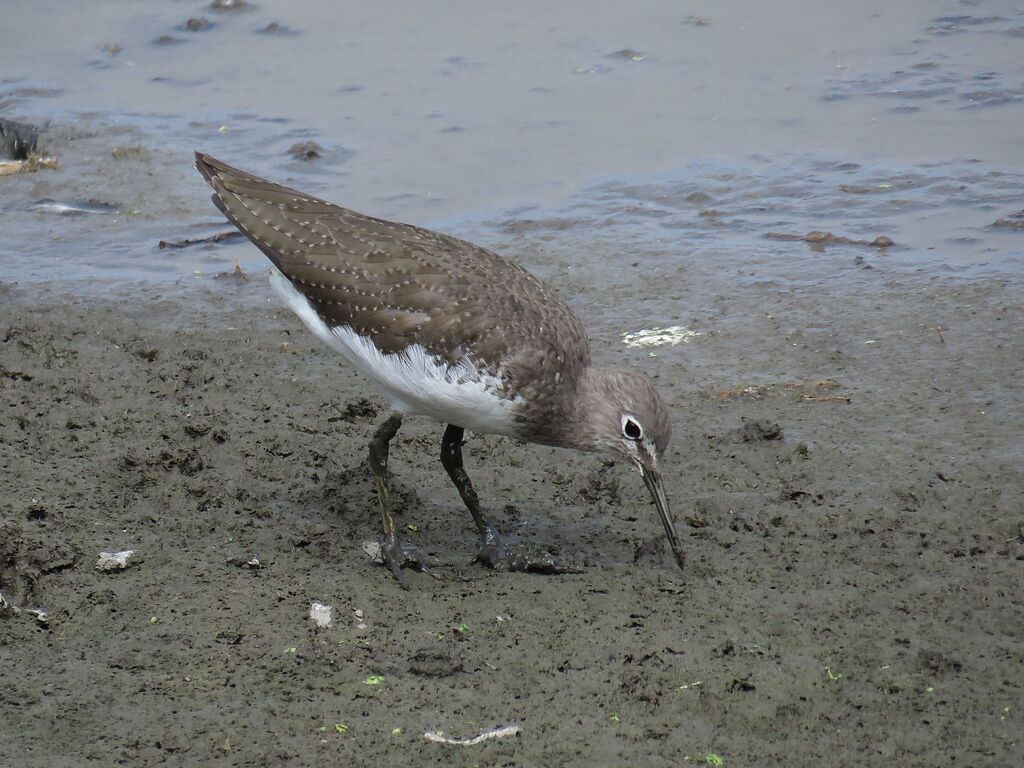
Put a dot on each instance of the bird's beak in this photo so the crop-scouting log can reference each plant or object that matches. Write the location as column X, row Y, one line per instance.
column 653, row 482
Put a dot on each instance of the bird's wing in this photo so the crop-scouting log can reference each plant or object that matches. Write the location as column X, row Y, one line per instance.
column 400, row 284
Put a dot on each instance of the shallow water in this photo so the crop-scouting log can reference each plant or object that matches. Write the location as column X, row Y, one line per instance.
column 860, row 121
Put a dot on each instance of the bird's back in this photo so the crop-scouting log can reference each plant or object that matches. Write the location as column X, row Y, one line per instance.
column 400, row 285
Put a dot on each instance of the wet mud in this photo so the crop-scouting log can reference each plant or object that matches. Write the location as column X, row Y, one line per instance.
column 846, row 475
column 804, row 223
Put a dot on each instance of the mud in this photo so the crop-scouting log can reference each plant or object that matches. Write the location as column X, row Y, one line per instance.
column 846, row 467
column 846, row 476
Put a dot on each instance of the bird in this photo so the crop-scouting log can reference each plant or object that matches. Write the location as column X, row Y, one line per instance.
column 452, row 331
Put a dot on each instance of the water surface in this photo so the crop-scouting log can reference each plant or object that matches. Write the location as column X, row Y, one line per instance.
column 862, row 120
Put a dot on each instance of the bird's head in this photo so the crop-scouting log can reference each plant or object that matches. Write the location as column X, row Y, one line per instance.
column 620, row 412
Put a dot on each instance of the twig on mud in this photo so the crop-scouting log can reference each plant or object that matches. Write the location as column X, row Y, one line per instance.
column 199, row 241
column 827, row 238
column 42, row 617
column 34, row 163
column 826, row 399
column 495, row 733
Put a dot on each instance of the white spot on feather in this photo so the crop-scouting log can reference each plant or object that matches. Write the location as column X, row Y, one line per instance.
column 414, row 380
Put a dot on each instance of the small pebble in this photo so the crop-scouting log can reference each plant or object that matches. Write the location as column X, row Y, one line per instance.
column 115, row 561
column 372, row 550
column 306, row 150
column 196, row 24
column 320, row 614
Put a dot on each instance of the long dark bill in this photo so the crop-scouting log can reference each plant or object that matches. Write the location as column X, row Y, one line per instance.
column 653, row 482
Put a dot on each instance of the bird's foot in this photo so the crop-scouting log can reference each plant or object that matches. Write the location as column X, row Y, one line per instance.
column 397, row 556
column 498, row 554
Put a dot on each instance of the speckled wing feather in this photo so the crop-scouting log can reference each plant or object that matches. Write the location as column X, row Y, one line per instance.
column 399, row 285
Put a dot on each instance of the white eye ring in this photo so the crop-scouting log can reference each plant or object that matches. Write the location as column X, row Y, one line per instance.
column 631, row 428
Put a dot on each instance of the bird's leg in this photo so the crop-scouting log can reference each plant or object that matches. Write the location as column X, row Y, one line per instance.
column 395, row 555
column 494, row 551
column 451, row 458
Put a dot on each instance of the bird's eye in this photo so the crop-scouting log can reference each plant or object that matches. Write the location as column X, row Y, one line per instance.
column 631, row 429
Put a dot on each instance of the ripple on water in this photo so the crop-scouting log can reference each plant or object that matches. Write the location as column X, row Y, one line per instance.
column 942, row 72
column 939, row 216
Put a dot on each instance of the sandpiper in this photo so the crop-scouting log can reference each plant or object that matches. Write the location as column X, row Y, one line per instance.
column 449, row 330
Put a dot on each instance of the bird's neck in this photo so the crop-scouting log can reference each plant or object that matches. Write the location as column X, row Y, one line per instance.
column 589, row 410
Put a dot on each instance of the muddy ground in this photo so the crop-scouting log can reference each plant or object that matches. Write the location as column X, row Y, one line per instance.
column 845, row 472
column 846, row 469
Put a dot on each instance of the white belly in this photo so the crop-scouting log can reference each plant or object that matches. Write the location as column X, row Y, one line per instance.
column 414, row 381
